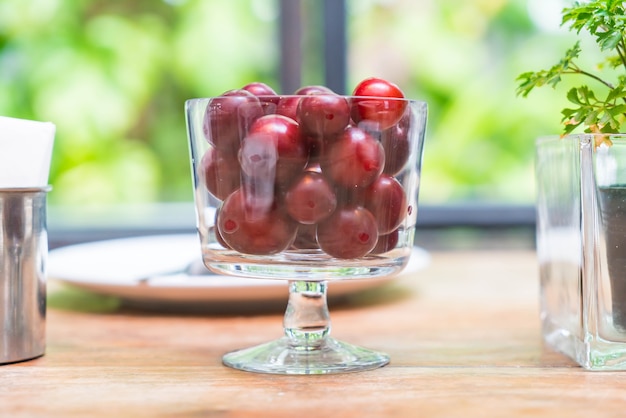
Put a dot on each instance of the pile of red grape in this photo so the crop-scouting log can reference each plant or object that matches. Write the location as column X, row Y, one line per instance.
column 313, row 170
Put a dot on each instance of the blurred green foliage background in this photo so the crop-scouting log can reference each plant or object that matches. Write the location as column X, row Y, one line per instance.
column 113, row 76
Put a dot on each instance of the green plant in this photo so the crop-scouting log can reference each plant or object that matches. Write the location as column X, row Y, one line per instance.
column 605, row 21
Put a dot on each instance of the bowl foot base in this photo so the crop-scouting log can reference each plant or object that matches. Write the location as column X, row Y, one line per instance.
column 281, row 357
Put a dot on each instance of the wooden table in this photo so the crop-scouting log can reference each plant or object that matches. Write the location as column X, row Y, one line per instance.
column 463, row 336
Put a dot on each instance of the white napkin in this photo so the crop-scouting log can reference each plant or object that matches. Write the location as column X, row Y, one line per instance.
column 25, row 152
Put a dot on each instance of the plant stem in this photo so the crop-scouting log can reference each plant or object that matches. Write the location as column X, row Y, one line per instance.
column 577, row 70
column 620, row 48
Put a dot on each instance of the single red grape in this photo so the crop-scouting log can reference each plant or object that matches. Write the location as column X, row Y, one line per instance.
column 262, row 90
column 315, row 89
column 218, row 236
column 288, row 106
column 220, row 172
column 254, row 230
column 284, row 135
column 380, row 103
column 397, row 148
column 387, row 201
column 350, row 232
column 310, row 199
column 228, row 117
column 268, row 97
column 323, row 114
column 355, row 158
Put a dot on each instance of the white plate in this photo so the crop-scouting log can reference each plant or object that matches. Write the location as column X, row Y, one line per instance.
column 143, row 269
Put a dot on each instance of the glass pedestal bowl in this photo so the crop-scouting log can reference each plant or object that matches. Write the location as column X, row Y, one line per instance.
column 309, row 189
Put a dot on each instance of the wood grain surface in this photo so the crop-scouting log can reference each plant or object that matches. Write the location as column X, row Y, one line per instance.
column 463, row 336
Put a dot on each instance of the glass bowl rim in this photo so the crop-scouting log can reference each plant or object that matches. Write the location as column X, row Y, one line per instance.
column 288, row 96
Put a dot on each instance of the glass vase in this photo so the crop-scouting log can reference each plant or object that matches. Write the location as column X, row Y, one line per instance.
column 581, row 247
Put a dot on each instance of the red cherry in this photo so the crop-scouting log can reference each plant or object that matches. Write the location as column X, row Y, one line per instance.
column 252, row 230
column 220, row 172
column 310, row 199
column 308, row 90
column 268, row 97
column 355, row 159
column 323, row 114
column 350, row 232
column 262, row 89
column 288, row 106
column 228, row 117
column 380, row 103
column 386, row 199
column 291, row 149
column 218, row 236
column 396, row 144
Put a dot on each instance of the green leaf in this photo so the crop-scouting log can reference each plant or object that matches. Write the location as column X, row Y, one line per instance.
column 529, row 80
column 567, row 113
column 617, row 110
column 609, row 40
column 607, row 119
column 591, row 118
column 570, row 128
column 572, row 96
column 617, row 93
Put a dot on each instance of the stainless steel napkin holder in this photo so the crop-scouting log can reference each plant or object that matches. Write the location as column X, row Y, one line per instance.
column 23, row 256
